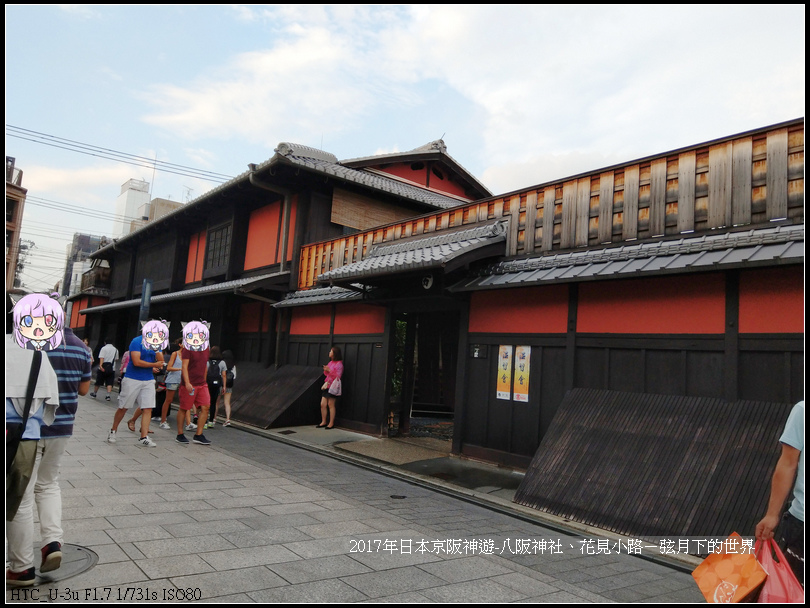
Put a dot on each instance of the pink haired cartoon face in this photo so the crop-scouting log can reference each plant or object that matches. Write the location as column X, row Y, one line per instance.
column 155, row 334
column 195, row 335
column 38, row 322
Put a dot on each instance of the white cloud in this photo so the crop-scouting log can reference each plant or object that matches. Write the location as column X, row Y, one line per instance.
column 554, row 85
column 79, row 10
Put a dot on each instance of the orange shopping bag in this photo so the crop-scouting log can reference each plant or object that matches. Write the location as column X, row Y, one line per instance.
column 729, row 575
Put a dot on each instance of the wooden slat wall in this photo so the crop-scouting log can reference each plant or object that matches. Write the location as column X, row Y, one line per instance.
column 656, row 465
column 752, row 179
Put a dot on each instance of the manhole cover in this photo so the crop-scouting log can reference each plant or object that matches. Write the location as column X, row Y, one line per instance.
column 75, row 560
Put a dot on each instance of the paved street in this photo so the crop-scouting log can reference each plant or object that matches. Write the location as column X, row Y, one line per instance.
column 251, row 519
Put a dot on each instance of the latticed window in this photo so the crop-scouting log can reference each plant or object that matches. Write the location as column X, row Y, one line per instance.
column 219, row 247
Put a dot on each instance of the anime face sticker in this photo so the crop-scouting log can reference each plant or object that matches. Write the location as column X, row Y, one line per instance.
column 155, row 334
column 39, row 321
column 195, row 335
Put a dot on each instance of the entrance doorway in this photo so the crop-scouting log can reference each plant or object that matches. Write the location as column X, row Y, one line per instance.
column 424, row 379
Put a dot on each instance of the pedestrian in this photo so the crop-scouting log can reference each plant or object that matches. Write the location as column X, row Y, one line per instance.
column 174, row 375
column 72, row 364
column 215, row 379
column 230, row 377
column 194, row 388
column 107, row 357
column 138, row 386
column 329, row 393
column 21, row 470
column 86, row 343
column 788, row 475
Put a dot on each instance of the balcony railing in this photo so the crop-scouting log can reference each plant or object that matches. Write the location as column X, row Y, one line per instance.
column 96, row 279
column 751, row 178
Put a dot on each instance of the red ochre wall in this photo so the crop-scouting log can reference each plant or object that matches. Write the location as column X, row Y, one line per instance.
column 196, row 258
column 526, row 310
column 693, row 304
column 349, row 319
column 359, row 319
column 263, row 235
column 250, row 315
column 772, row 300
column 310, row 321
column 79, row 320
column 419, row 176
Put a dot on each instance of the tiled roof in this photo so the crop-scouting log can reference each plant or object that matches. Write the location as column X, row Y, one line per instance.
column 319, row 296
column 430, row 251
column 756, row 247
column 242, row 285
column 315, row 160
column 319, row 161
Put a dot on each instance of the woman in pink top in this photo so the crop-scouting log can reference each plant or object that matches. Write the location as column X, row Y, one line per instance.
column 333, row 371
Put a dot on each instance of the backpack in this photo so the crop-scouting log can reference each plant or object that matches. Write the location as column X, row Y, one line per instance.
column 229, row 378
column 213, row 375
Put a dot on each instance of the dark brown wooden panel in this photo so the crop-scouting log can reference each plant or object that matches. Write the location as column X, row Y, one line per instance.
column 648, row 465
column 267, row 397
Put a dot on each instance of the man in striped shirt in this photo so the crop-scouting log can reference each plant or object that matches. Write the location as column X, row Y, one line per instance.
column 71, row 362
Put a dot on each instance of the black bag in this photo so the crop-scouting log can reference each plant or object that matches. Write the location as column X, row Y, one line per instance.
column 15, row 430
column 213, row 375
column 229, row 378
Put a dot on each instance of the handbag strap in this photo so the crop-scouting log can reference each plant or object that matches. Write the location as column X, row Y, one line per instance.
column 33, row 375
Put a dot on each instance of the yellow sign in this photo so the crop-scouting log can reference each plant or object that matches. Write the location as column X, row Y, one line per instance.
column 521, row 388
column 504, row 385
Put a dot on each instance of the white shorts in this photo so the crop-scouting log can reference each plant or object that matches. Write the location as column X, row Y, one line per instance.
column 140, row 391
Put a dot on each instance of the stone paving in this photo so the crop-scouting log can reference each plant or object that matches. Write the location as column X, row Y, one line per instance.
column 250, row 519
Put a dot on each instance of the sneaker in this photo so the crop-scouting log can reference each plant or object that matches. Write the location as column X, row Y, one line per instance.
column 51, row 557
column 107, row 398
column 165, row 426
column 146, row 442
column 207, row 425
column 26, row 578
column 111, row 437
column 93, row 395
column 191, row 427
column 226, row 423
column 201, row 440
column 181, row 439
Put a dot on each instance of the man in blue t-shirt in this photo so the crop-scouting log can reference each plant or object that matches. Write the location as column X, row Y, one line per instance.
column 789, row 474
column 138, row 387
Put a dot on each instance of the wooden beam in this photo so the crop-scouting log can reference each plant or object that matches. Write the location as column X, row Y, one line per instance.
column 583, row 211
column 569, row 214
column 658, row 196
column 742, row 161
column 719, row 185
column 776, row 176
column 605, row 226
column 630, row 208
column 686, row 191
column 531, row 218
column 514, row 225
column 549, row 200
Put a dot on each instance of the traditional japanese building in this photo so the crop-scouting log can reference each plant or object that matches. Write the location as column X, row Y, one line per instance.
column 677, row 274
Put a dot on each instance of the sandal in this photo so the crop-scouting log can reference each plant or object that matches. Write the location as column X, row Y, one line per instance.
column 131, row 425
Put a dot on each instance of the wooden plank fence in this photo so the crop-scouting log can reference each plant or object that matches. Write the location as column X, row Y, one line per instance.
column 753, row 178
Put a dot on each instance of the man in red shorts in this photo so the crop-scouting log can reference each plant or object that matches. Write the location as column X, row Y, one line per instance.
column 194, row 388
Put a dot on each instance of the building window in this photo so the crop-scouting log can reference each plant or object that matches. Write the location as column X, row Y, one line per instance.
column 219, row 247
column 11, row 207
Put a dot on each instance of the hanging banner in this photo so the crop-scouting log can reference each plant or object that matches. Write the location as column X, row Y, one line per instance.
column 504, row 386
column 521, row 388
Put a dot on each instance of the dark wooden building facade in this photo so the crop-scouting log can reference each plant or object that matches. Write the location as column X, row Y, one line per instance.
column 677, row 274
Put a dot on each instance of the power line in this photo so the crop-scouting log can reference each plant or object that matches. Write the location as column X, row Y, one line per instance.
column 114, row 155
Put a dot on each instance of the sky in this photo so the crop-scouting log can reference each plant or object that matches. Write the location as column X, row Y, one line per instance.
column 520, row 94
